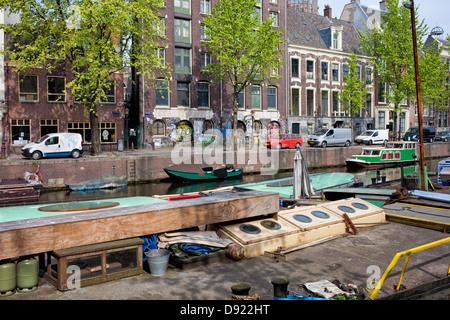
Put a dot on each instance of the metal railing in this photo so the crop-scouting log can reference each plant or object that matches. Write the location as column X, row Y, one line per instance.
column 406, row 253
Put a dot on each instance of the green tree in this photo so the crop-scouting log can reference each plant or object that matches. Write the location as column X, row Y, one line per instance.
column 246, row 49
column 354, row 92
column 92, row 39
column 433, row 86
column 391, row 49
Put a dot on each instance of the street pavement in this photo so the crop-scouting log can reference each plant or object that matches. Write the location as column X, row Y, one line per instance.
column 350, row 259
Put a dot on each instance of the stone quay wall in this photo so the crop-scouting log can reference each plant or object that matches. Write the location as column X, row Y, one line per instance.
column 148, row 165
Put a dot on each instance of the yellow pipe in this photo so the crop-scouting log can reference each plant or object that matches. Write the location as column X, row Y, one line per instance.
column 403, row 272
column 402, row 254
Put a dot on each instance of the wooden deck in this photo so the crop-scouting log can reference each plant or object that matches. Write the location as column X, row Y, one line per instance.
column 43, row 234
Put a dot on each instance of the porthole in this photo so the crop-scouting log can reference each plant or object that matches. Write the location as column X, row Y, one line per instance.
column 302, row 218
column 346, row 209
column 320, row 214
column 271, row 225
column 249, row 228
column 361, row 206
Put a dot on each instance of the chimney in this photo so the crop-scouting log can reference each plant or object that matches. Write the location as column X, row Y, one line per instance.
column 327, row 11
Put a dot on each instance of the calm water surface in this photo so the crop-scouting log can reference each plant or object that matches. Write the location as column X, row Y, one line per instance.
column 166, row 186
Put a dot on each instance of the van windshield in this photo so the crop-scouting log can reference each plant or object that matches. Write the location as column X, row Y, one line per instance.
column 367, row 133
column 42, row 138
column 320, row 132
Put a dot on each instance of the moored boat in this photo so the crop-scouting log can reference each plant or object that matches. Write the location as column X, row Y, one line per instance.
column 392, row 154
column 18, row 189
column 194, row 172
column 102, row 182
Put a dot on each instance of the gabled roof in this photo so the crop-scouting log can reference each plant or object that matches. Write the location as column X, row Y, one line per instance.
column 362, row 15
column 311, row 30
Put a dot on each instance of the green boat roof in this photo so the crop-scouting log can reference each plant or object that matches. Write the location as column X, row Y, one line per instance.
column 15, row 213
column 320, row 181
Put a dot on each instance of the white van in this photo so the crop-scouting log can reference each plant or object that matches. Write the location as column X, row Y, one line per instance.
column 55, row 145
column 373, row 137
column 331, row 137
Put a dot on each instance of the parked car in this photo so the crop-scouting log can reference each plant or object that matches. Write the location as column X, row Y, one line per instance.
column 373, row 137
column 443, row 136
column 330, row 137
column 285, row 140
column 55, row 145
column 429, row 134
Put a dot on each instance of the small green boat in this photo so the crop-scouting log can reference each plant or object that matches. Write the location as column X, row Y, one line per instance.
column 194, row 172
column 392, row 154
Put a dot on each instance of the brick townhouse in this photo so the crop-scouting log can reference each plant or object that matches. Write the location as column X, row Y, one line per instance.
column 193, row 102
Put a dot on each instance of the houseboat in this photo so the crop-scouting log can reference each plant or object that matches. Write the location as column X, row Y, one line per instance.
column 392, row 154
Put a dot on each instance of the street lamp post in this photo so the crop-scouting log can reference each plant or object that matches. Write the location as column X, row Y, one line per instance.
column 410, row 5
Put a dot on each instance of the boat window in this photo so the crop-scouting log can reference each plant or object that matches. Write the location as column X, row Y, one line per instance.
column 366, row 153
column 397, row 155
column 390, row 155
column 398, row 145
column 346, row 209
column 302, row 218
column 361, row 206
column 248, row 228
column 389, row 145
column 271, row 225
column 320, row 214
column 383, row 157
column 376, row 152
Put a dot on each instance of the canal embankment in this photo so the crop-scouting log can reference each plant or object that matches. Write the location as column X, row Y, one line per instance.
column 146, row 165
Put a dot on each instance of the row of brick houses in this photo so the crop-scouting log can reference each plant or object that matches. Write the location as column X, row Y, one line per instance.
column 317, row 51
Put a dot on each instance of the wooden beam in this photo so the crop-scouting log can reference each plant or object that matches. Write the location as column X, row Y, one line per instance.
column 33, row 236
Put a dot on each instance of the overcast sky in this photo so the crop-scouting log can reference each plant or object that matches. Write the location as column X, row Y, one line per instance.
column 435, row 12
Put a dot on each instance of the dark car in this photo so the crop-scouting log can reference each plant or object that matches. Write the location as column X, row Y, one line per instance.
column 443, row 136
column 429, row 134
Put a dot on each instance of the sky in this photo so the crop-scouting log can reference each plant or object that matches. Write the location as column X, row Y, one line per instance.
column 434, row 12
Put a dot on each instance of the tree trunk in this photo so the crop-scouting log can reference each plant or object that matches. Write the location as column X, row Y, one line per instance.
column 95, row 136
column 235, row 121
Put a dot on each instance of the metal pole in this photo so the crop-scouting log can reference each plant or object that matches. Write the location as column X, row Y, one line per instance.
column 419, row 103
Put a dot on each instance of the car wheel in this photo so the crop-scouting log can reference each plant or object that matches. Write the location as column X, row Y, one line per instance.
column 279, row 146
column 347, row 143
column 36, row 155
column 75, row 154
column 324, row 144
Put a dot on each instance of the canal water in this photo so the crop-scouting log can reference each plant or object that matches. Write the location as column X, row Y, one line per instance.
column 166, row 186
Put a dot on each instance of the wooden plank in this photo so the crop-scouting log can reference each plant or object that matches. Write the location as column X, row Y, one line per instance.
column 32, row 236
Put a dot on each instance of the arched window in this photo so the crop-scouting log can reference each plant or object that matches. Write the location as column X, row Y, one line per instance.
column 159, row 128
column 207, row 125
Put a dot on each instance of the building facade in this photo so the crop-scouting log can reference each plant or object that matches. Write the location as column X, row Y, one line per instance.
column 191, row 103
column 319, row 54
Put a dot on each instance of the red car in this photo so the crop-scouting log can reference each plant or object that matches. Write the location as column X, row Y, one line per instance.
column 286, row 140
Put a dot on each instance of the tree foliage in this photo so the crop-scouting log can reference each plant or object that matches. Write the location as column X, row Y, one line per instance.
column 391, row 50
column 246, row 49
column 433, row 85
column 92, row 39
column 354, row 92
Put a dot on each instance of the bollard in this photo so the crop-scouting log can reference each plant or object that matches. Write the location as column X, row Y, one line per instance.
column 280, row 287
